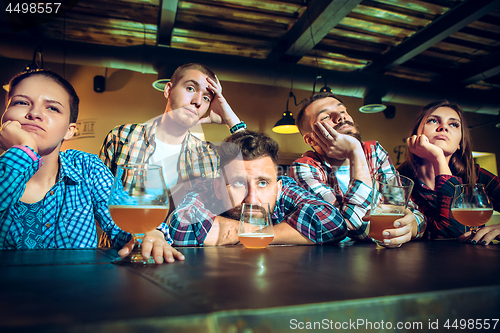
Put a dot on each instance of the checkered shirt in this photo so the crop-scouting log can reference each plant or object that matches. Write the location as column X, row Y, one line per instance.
column 135, row 143
column 314, row 173
column 436, row 204
column 70, row 208
column 312, row 217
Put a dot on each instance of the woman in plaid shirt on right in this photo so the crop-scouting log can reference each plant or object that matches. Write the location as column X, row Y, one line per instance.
column 440, row 157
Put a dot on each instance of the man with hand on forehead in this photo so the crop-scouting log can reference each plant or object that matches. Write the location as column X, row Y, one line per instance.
column 340, row 168
column 193, row 91
column 209, row 213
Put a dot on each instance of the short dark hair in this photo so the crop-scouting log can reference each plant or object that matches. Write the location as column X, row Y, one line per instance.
column 179, row 72
column 74, row 100
column 252, row 145
column 300, row 116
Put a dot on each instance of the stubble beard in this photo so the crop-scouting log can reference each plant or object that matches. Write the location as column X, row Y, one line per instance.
column 356, row 134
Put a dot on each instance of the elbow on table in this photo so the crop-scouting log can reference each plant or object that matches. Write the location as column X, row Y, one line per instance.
column 332, row 236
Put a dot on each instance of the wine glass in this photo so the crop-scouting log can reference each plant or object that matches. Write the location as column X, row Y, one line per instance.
column 138, row 203
column 390, row 195
column 471, row 206
column 256, row 227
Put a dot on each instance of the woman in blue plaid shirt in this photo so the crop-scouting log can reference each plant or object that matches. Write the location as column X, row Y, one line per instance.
column 49, row 198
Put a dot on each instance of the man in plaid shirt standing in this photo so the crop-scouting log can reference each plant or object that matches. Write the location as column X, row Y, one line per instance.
column 341, row 166
column 192, row 91
column 209, row 213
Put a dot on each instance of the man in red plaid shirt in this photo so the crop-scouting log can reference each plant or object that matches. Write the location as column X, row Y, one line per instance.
column 341, row 166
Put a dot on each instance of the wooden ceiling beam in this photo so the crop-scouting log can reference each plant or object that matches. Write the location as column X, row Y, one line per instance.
column 481, row 69
column 312, row 26
column 446, row 25
column 166, row 21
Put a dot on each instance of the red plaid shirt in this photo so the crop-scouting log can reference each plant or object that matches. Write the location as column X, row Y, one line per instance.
column 314, row 173
column 435, row 204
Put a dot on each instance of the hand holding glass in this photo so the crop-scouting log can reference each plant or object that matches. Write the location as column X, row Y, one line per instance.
column 471, row 206
column 256, row 227
column 138, row 203
column 390, row 195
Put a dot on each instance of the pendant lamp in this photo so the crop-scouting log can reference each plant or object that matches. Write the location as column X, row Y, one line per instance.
column 286, row 125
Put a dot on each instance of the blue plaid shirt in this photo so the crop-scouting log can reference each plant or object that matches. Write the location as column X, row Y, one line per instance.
column 79, row 196
column 312, row 217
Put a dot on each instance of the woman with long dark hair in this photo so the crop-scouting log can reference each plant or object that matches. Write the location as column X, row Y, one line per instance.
column 439, row 157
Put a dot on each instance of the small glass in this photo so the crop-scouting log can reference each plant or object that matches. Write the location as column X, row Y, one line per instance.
column 256, row 227
column 390, row 195
column 138, row 203
column 471, row 206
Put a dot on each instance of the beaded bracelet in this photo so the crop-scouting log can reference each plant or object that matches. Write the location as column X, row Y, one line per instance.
column 237, row 127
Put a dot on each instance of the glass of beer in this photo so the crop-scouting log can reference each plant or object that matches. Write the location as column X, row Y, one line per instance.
column 471, row 206
column 256, row 227
column 390, row 195
column 138, row 203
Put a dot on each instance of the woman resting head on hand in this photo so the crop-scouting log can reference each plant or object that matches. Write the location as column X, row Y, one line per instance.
column 50, row 198
column 439, row 157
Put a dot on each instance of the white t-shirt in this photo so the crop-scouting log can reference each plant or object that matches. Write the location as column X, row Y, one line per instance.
column 167, row 156
column 343, row 175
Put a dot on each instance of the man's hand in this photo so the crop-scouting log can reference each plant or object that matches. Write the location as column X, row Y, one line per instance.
column 404, row 230
column 335, row 145
column 154, row 243
column 12, row 134
column 221, row 112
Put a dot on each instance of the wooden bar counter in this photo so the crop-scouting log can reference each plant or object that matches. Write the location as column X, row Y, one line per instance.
column 358, row 287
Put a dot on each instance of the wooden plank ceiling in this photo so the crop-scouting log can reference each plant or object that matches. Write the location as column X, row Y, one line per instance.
column 449, row 41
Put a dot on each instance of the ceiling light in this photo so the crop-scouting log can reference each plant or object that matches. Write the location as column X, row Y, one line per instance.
column 325, row 89
column 160, row 84
column 164, row 75
column 286, row 125
column 372, row 102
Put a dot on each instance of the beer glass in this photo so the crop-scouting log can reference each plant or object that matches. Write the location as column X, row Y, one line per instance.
column 256, row 227
column 138, row 203
column 390, row 195
column 471, row 206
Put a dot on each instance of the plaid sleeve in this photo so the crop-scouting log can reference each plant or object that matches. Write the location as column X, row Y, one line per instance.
column 316, row 219
column 355, row 206
column 102, row 181
column 312, row 178
column 445, row 225
column 191, row 221
column 356, row 201
column 378, row 157
column 107, row 151
column 17, row 165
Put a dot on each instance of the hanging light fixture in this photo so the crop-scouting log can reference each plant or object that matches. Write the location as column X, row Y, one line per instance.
column 325, row 87
column 164, row 75
column 372, row 102
column 286, row 125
